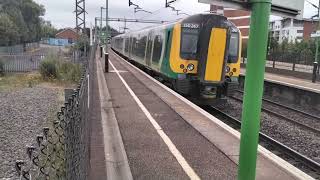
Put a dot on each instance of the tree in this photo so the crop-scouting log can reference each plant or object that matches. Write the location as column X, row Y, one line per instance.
column 8, row 31
column 47, row 30
column 25, row 17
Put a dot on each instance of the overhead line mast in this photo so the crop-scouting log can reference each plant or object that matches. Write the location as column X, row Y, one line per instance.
column 80, row 15
column 137, row 8
column 168, row 5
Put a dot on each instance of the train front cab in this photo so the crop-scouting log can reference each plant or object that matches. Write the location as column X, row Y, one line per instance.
column 207, row 59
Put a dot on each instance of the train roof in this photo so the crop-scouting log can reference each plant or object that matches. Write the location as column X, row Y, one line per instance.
column 170, row 24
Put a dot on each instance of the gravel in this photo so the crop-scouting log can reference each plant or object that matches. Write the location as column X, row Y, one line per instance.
column 23, row 113
column 290, row 134
column 296, row 116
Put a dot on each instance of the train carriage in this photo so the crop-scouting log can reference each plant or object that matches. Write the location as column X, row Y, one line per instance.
column 198, row 56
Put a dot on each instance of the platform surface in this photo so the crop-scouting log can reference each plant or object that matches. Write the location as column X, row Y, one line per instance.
column 167, row 137
column 290, row 81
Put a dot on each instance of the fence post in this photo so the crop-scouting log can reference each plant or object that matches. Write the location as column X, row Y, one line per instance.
column 273, row 63
column 294, row 65
column 314, row 74
column 106, row 62
column 101, row 51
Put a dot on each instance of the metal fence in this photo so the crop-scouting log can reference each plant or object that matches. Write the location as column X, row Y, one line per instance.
column 27, row 62
column 19, row 48
column 305, row 68
column 305, row 57
column 21, row 62
column 62, row 151
column 293, row 61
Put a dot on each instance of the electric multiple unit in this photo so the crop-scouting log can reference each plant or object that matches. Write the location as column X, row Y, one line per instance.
column 198, row 56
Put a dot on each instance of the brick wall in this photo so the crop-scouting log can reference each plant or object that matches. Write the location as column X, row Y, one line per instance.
column 308, row 28
column 68, row 34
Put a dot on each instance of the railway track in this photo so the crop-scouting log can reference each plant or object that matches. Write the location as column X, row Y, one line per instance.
column 304, row 125
column 298, row 160
column 287, row 107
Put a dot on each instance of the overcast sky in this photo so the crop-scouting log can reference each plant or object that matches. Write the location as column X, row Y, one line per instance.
column 61, row 12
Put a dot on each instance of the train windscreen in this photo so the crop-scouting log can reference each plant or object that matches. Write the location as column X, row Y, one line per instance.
column 233, row 50
column 189, row 42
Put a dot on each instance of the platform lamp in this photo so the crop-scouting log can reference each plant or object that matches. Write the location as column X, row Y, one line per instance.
column 316, row 60
column 107, row 22
column 100, row 33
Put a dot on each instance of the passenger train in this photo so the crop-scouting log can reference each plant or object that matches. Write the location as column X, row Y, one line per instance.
column 198, row 56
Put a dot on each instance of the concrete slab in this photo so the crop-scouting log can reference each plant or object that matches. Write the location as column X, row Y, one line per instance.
column 290, row 81
column 218, row 133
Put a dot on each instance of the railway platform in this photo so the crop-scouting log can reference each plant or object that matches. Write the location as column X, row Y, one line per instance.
column 290, row 81
column 144, row 130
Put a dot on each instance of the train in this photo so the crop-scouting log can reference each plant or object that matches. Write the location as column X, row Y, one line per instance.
column 197, row 56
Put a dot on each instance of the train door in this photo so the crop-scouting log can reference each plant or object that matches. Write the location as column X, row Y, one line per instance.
column 149, row 49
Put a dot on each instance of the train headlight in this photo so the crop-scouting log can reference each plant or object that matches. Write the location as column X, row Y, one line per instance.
column 234, row 69
column 190, row 67
column 227, row 69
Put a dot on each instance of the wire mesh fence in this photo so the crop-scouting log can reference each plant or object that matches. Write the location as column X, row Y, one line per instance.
column 62, row 150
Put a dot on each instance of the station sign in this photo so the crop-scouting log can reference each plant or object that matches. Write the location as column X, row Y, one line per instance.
column 284, row 8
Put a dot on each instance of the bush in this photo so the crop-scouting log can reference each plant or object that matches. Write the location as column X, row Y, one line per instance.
column 48, row 69
column 69, row 72
column 54, row 68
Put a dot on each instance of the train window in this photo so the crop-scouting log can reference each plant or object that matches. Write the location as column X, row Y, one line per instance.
column 167, row 43
column 142, row 47
column 127, row 45
column 189, row 43
column 149, row 47
column 134, row 46
column 233, row 51
column 157, row 49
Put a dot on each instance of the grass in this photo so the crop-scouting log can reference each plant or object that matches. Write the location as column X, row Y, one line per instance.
column 10, row 82
column 16, row 81
column 55, row 68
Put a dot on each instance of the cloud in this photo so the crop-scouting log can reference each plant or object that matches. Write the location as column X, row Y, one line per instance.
column 61, row 13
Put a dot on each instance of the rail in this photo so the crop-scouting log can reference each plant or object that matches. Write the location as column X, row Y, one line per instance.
column 306, row 126
column 298, row 160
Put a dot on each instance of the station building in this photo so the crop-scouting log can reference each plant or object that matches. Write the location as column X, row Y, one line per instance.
column 285, row 28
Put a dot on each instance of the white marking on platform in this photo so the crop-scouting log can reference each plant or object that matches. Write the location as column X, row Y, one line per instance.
column 276, row 159
column 173, row 149
column 293, row 85
column 289, row 84
column 113, row 71
column 113, row 145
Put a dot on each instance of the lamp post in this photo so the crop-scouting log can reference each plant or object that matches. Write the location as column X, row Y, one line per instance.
column 316, row 36
column 101, row 9
column 107, row 22
column 252, row 100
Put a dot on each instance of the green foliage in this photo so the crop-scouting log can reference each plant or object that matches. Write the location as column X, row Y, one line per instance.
column 47, row 30
column 69, row 72
column 82, row 43
column 293, row 52
column 21, row 22
column 55, row 68
column 8, row 30
column 48, row 69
